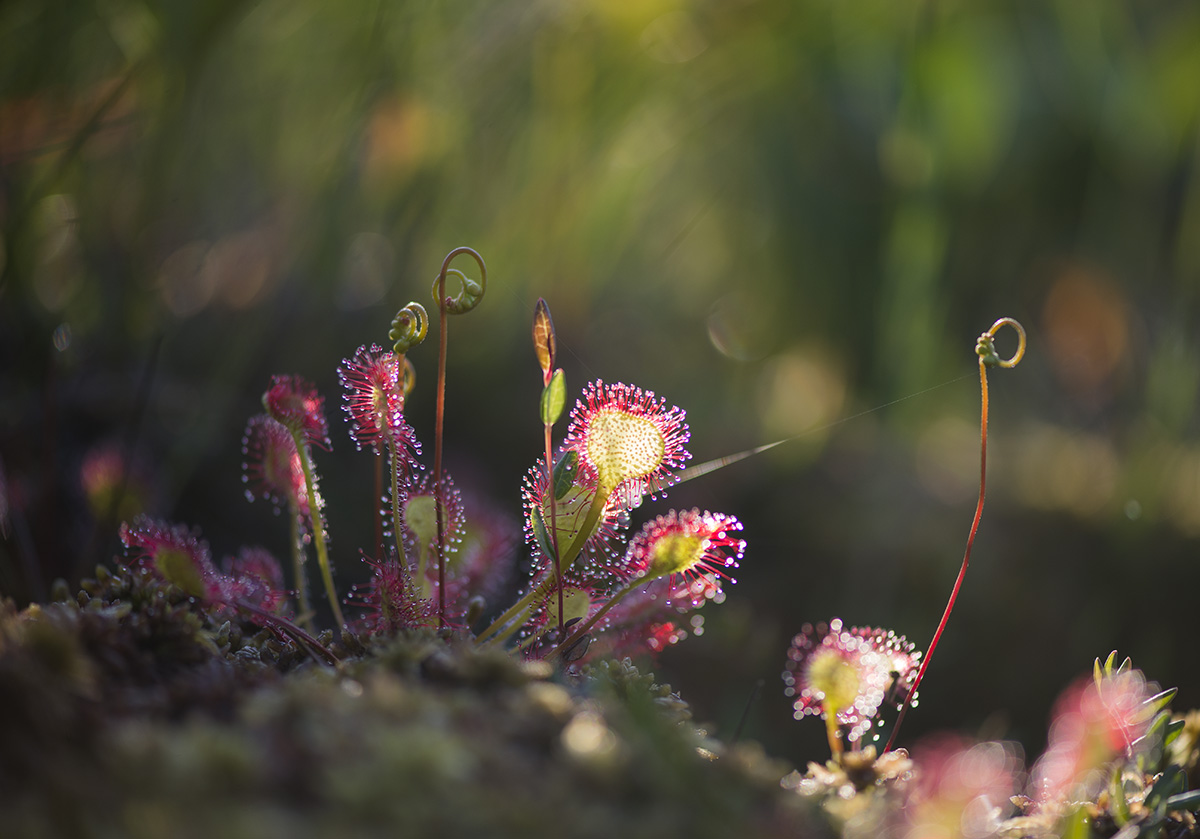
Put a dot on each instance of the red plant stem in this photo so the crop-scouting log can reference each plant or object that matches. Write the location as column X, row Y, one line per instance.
column 437, row 446
column 578, row 633
column 554, row 529
column 312, row 646
column 983, row 427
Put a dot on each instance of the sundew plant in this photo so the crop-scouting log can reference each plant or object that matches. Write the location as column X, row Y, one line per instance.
column 601, row 584
column 589, row 579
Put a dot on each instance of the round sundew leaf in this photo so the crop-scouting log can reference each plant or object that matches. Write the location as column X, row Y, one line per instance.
column 628, row 439
column 835, row 677
column 577, row 603
column 420, row 517
column 624, row 446
column 675, row 553
column 179, row 567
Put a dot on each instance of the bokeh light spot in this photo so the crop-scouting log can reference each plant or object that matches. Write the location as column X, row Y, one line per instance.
column 948, row 459
column 239, row 268
column 800, row 391
column 58, row 274
column 185, row 287
column 1086, row 329
column 62, row 337
column 587, row 737
column 366, row 271
column 673, row 39
column 1063, row 470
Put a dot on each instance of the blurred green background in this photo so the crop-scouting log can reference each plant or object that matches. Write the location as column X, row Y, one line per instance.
column 779, row 215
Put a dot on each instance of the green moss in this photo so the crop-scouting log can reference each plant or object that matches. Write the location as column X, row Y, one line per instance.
column 132, row 711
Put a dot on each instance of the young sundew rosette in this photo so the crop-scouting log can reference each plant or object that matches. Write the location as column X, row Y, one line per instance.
column 691, row 544
column 252, row 581
column 295, row 402
column 846, row 675
column 271, row 469
column 628, row 443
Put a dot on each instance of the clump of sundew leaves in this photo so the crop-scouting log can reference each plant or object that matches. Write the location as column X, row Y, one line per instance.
column 1117, row 765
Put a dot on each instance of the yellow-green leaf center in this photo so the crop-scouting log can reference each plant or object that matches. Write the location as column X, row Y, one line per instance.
column 675, row 553
column 178, row 567
column 576, row 604
column 623, row 446
column 420, row 517
column 837, row 678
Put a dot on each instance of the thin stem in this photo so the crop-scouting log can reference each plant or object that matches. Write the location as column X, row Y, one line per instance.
column 578, row 634
column 396, row 517
column 516, row 609
column 558, row 574
column 737, row 731
column 983, row 429
column 985, row 349
column 315, row 648
column 834, row 735
column 298, row 563
column 378, row 510
column 567, row 558
column 437, row 445
column 318, row 527
column 469, row 297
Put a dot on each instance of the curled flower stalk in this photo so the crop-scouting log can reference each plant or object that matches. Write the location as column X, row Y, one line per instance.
column 469, row 295
column 985, row 349
column 295, row 403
